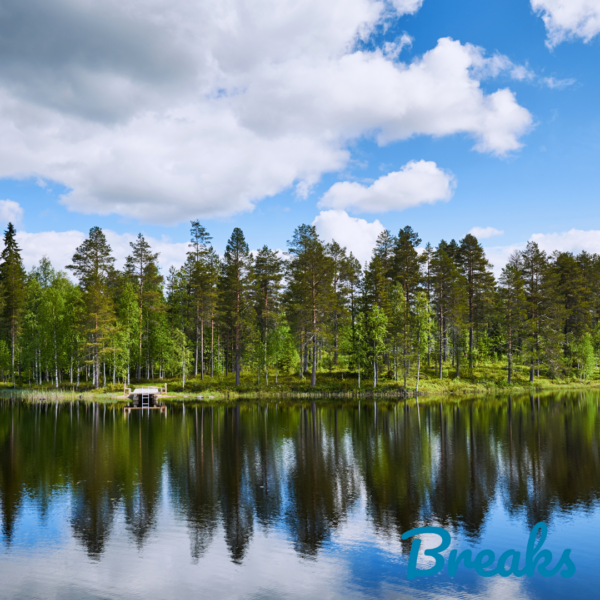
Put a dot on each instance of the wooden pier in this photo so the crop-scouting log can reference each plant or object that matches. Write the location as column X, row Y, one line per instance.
column 145, row 398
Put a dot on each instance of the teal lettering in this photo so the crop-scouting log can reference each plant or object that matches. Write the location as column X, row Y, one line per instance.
column 454, row 561
column 532, row 549
column 481, row 563
column 536, row 558
column 546, row 557
column 433, row 552
column 514, row 563
column 565, row 560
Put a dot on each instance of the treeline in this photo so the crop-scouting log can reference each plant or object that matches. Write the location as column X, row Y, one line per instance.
column 314, row 309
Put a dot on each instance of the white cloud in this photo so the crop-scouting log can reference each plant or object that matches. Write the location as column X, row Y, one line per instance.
column 10, row 211
column 406, row 7
column 393, row 49
column 166, row 111
column 521, row 73
column 59, row 247
column 485, row 232
column 568, row 19
column 357, row 235
column 498, row 256
column 574, row 241
column 416, row 183
column 557, row 84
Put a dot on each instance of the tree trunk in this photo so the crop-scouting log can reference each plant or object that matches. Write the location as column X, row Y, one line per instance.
column 374, row 367
column 418, row 361
column 55, row 350
column 237, row 355
column 509, row 343
column 201, row 348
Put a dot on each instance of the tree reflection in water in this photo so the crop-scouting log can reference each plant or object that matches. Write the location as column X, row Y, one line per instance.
column 304, row 467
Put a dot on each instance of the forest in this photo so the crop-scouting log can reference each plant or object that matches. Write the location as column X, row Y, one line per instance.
column 260, row 319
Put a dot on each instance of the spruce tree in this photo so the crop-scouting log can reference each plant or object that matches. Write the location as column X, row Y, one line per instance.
column 12, row 287
column 406, row 270
column 236, row 284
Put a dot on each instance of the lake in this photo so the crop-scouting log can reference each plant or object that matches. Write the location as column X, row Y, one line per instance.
column 293, row 499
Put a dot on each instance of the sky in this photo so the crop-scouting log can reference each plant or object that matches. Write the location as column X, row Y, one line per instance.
column 356, row 116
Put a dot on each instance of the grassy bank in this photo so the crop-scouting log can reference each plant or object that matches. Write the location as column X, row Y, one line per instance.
column 489, row 378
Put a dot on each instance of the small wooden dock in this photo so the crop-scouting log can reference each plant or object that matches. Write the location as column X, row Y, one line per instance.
column 145, row 398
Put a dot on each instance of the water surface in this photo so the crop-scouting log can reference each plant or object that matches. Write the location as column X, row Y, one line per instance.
column 290, row 500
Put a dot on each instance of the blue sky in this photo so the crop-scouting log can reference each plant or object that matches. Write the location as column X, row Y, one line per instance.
column 266, row 115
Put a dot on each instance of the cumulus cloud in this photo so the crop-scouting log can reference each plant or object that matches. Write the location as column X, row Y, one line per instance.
column 166, row 111
column 416, row 183
column 575, row 240
column 485, row 232
column 10, row 212
column 357, row 235
column 568, row 19
column 59, row 247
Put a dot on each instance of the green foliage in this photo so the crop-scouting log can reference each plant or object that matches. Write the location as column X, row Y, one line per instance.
column 258, row 321
column 583, row 352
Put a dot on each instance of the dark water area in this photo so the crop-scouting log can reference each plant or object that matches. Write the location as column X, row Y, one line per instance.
column 293, row 500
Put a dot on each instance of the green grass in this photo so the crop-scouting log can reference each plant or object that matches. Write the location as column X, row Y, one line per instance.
column 486, row 378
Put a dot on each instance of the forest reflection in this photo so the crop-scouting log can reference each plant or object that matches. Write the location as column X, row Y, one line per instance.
column 226, row 470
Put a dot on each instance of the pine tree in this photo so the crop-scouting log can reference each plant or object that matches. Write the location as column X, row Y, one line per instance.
column 142, row 267
column 534, row 265
column 449, row 287
column 475, row 268
column 268, row 273
column 376, row 286
column 93, row 266
column 310, row 273
column 422, row 317
column 377, row 324
column 340, row 274
column 398, row 327
column 236, row 285
column 203, row 281
column 12, row 289
column 512, row 306
column 384, row 249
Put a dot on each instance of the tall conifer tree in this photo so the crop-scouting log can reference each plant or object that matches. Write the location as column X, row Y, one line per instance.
column 475, row 268
column 310, row 273
column 236, row 285
column 12, row 287
column 142, row 266
column 93, row 265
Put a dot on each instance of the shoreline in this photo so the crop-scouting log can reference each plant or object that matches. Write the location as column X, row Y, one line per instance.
column 472, row 390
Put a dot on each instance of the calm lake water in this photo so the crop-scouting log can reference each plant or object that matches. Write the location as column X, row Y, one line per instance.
column 290, row 500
